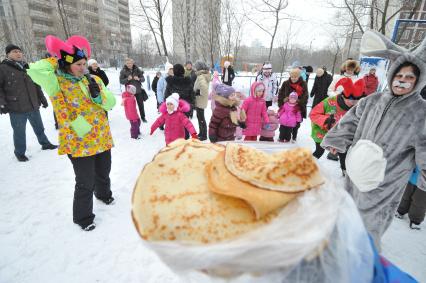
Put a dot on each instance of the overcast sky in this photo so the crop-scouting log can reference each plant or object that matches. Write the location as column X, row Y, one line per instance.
column 311, row 27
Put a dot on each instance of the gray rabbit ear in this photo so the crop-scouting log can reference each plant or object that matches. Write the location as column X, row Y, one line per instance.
column 420, row 51
column 374, row 43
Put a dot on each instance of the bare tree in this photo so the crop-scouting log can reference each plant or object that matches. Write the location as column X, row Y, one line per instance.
column 153, row 14
column 284, row 50
column 273, row 9
column 63, row 17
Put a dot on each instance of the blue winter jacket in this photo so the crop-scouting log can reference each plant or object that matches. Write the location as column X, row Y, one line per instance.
column 161, row 88
column 414, row 176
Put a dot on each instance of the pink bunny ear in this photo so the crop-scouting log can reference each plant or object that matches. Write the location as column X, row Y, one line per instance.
column 54, row 46
column 80, row 42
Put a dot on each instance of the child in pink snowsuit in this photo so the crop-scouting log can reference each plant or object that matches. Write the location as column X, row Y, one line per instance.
column 215, row 81
column 289, row 115
column 255, row 108
column 174, row 119
column 268, row 129
column 129, row 103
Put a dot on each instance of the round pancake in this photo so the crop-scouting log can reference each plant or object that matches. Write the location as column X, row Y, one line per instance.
column 290, row 171
column 172, row 202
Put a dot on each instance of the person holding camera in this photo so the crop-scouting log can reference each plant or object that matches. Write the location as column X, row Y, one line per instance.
column 21, row 98
column 131, row 74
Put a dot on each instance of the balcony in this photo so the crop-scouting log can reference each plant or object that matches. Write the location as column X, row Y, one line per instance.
column 42, row 3
column 44, row 28
column 39, row 15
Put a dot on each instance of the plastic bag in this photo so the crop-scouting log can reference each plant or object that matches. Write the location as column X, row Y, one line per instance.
column 319, row 237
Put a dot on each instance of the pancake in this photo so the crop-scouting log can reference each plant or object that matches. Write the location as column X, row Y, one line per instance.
column 290, row 171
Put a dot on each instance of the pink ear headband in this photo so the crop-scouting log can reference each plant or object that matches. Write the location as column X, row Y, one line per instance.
column 54, row 45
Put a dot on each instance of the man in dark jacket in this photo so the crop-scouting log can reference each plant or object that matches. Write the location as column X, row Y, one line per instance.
column 21, row 98
column 94, row 69
column 154, row 86
column 320, row 88
column 131, row 74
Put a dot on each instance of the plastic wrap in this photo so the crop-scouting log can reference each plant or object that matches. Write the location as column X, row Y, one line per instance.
column 318, row 237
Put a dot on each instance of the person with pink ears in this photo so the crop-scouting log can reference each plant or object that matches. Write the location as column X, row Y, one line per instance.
column 129, row 103
column 255, row 109
column 174, row 119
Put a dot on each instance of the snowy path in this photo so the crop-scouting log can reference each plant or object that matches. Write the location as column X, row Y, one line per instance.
column 39, row 242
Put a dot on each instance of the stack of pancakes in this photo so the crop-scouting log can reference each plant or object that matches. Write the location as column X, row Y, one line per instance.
column 196, row 192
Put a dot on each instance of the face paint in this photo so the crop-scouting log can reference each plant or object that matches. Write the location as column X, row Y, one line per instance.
column 401, row 84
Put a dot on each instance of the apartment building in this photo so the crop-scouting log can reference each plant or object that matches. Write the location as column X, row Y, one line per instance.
column 196, row 28
column 105, row 23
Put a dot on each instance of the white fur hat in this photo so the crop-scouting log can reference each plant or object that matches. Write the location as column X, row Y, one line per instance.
column 174, row 99
column 267, row 66
column 131, row 89
column 167, row 66
column 91, row 62
column 226, row 64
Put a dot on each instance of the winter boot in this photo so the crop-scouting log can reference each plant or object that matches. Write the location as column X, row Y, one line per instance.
column 88, row 227
column 332, row 156
column 48, row 146
column 414, row 226
column 398, row 215
column 107, row 201
column 343, row 173
column 21, row 158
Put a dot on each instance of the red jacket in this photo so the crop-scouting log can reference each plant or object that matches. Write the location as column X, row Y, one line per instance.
column 129, row 103
column 175, row 123
column 371, row 83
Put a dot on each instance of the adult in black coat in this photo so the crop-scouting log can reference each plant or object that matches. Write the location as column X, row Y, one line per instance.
column 154, row 86
column 320, row 88
column 21, row 98
column 94, row 69
column 180, row 84
column 228, row 74
column 131, row 74
column 183, row 86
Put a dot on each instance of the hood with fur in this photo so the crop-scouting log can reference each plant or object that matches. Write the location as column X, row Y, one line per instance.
column 253, row 87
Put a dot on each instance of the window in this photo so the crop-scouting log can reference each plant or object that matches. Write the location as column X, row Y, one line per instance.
column 420, row 35
column 406, row 35
column 2, row 11
column 42, row 22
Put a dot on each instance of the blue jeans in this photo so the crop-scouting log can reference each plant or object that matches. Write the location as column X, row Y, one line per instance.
column 19, row 124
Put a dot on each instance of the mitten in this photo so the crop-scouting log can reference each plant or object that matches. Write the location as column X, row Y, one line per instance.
column 329, row 122
column 44, row 102
column 93, row 87
column 242, row 125
column 3, row 109
column 194, row 136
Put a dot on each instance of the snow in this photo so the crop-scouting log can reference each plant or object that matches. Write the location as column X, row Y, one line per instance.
column 39, row 242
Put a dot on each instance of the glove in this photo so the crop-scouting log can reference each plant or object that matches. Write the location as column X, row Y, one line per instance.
column 44, row 103
column 242, row 125
column 94, row 88
column 330, row 121
column 213, row 139
column 194, row 136
column 3, row 109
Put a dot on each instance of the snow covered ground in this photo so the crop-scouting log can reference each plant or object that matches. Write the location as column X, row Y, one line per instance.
column 39, row 242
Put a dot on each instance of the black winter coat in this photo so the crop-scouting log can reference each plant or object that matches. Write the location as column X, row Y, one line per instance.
column 320, row 88
column 154, row 84
column 135, row 71
column 231, row 75
column 100, row 73
column 181, row 85
column 17, row 91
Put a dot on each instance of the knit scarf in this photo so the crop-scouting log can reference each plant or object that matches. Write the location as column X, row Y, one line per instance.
column 70, row 77
column 297, row 88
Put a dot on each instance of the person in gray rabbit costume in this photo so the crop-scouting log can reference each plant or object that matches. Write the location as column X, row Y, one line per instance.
column 385, row 134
